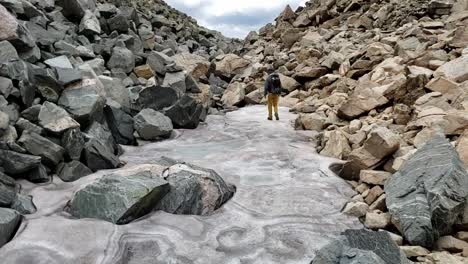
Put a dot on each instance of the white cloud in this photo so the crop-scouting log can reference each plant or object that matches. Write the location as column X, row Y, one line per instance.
column 233, row 18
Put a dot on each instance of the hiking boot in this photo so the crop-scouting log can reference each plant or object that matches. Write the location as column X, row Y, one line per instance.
column 277, row 116
column 269, row 118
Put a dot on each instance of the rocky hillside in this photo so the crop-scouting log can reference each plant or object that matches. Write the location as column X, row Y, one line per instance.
column 386, row 85
column 80, row 78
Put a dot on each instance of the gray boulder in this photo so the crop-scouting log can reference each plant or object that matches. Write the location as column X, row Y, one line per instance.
column 9, row 223
column 155, row 97
column 361, row 246
column 8, row 190
column 23, row 125
column 15, row 163
column 120, row 197
column 175, row 80
column 75, row 9
column 119, row 23
column 158, row 62
column 115, row 90
column 122, row 58
column 35, row 144
column 152, row 125
column 102, row 133
column 24, row 204
column 61, row 62
column 4, row 122
column 194, row 190
column 6, row 86
column 186, row 113
column 73, row 143
column 7, row 52
column 428, row 195
column 72, row 171
column 32, row 113
column 83, row 103
column 55, row 119
column 120, row 124
column 37, row 175
column 90, row 24
column 98, row 157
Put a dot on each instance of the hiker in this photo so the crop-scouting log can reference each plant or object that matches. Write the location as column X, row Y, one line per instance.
column 273, row 90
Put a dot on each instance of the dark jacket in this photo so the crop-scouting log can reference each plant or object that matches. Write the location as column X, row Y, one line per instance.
column 269, row 85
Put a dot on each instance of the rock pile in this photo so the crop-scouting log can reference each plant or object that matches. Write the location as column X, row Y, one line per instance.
column 384, row 82
column 80, row 77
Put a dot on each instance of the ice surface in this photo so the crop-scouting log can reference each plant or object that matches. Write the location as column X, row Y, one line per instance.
column 287, row 204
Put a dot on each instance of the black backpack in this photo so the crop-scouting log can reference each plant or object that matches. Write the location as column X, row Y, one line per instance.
column 275, row 84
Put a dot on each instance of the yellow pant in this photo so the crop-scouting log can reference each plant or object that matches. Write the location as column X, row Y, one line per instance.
column 273, row 100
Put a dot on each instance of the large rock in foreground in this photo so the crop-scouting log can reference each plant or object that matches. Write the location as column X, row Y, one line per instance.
column 122, row 196
column 361, row 246
column 9, row 222
column 194, row 190
column 428, row 195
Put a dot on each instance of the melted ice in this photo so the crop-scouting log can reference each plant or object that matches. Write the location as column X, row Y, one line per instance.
column 287, row 204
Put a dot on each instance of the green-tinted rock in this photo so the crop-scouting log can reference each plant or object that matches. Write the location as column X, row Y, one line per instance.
column 120, row 197
column 9, row 221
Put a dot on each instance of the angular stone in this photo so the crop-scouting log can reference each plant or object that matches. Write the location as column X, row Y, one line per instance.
column 122, row 196
column 360, row 102
column 55, row 119
column 75, row 9
column 337, row 145
column 455, row 70
column 361, row 246
column 121, row 125
column 414, row 251
column 98, row 157
column 144, row 71
column 72, row 171
column 357, row 209
column 451, row 244
column 90, row 24
column 122, row 58
column 428, row 194
column 185, row 113
column 382, row 142
column 374, row 194
column 23, row 125
column 50, row 152
column 229, row 65
column 9, row 25
column 6, row 87
column 377, row 220
column 59, row 62
column 24, row 204
column 374, row 177
column 234, row 94
column 194, row 190
column 152, row 125
column 73, row 143
column 9, row 223
column 462, row 148
column 175, row 80
column 83, row 103
column 8, row 190
column 156, row 97
column 7, row 51
column 119, row 23
column 195, row 65
column 15, row 163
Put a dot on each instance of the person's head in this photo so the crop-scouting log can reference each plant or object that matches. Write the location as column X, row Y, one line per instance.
column 270, row 69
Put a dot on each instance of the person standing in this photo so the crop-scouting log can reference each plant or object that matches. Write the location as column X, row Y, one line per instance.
column 273, row 90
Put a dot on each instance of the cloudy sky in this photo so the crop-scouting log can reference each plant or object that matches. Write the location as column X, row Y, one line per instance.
column 234, row 18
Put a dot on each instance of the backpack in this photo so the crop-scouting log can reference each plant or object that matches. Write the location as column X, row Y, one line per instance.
column 275, row 84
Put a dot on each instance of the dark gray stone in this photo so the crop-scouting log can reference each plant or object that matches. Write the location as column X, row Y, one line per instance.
column 23, row 125
column 191, row 85
column 152, row 125
column 89, row 25
column 47, row 84
column 158, row 62
column 361, row 246
column 97, row 156
column 24, row 204
column 155, row 97
column 55, row 119
column 121, row 125
column 194, row 190
column 122, row 58
column 102, row 133
column 37, row 175
column 73, row 142
column 32, row 113
column 185, row 113
column 120, row 197
column 83, row 103
column 15, row 163
column 8, row 190
column 7, row 52
column 75, row 9
column 119, row 23
column 429, row 193
column 72, row 171
column 68, row 76
column 175, row 80
column 51, row 153
column 9, row 223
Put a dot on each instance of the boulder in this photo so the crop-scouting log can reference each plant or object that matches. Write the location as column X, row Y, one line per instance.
column 73, row 143
column 382, row 142
column 115, row 89
column 229, row 65
column 83, row 103
column 9, row 223
column 377, row 220
column 89, row 24
column 312, row 121
column 175, row 80
column 37, row 175
column 194, row 190
column 361, row 246
column 337, row 145
column 24, row 204
column 193, row 64
column 8, row 190
column 72, row 171
column 428, row 194
column 122, row 196
column 76, row 9
column 120, row 124
column 462, row 148
column 152, row 125
column 360, row 102
column 289, row 83
column 99, row 156
column 414, row 251
column 158, row 62
column 155, row 97
column 455, row 70
column 186, row 113
column 144, row 71
column 35, row 144
column 374, row 177
column 101, row 132
column 451, row 244
column 119, row 23
column 7, row 51
column 234, row 94
column 55, row 119
column 23, row 125
column 357, row 209
column 9, row 25
column 123, row 59
column 15, row 163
